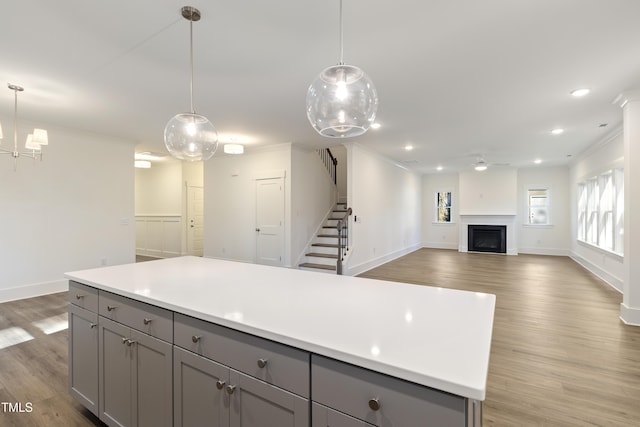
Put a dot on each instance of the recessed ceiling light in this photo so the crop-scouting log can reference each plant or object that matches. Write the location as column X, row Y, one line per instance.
column 375, row 125
column 580, row 92
column 557, row 131
column 439, row 168
column 537, row 161
column 408, row 147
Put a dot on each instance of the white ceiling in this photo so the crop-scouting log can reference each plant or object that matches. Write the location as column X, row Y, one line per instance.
column 457, row 79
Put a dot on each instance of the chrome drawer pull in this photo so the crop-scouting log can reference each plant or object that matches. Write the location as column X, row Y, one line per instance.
column 220, row 384
column 146, row 321
column 92, row 325
column 129, row 342
column 78, row 296
column 231, row 389
column 374, row 404
column 124, row 340
column 195, row 338
column 262, row 363
column 111, row 307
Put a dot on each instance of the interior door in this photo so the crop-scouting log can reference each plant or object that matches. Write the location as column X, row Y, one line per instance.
column 270, row 221
column 195, row 220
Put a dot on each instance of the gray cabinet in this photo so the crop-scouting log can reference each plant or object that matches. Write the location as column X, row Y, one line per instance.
column 382, row 400
column 322, row 416
column 247, row 390
column 83, row 356
column 135, row 376
column 200, row 398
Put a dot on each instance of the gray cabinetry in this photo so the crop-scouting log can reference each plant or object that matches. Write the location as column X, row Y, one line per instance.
column 83, row 356
column 382, row 400
column 322, row 416
column 226, row 378
column 135, row 375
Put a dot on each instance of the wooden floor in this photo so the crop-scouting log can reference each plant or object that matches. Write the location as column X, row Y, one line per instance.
column 560, row 355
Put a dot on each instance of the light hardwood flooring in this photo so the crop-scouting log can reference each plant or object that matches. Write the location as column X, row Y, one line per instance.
column 560, row 355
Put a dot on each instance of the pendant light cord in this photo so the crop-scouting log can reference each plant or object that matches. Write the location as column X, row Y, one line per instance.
column 341, row 37
column 191, row 59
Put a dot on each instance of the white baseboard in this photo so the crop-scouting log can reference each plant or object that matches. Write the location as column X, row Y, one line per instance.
column 545, row 251
column 609, row 279
column 354, row 270
column 629, row 315
column 33, row 290
column 440, row 245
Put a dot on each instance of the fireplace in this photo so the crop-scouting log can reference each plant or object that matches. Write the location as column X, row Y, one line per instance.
column 487, row 238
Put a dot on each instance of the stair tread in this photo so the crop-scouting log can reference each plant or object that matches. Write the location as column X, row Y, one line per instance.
column 328, row 235
column 320, row 255
column 326, row 245
column 318, row 266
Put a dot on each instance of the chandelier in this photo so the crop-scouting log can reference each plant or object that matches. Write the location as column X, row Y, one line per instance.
column 34, row 141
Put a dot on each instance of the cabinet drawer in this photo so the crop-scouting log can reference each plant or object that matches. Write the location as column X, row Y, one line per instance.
column 147, row 318
column 83, row 296
column 269, row 361
column 358, row 392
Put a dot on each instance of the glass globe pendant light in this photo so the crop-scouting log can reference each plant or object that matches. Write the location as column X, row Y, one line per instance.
column 342, row 101
column 190, row 136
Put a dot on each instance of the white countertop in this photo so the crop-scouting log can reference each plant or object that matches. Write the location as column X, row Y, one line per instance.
column 440, row 338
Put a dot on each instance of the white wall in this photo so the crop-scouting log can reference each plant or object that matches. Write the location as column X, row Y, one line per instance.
column 438, row 235
column 386, row 199
column 555, row 238
column 74, row 210
column 491, row 192
column 158, row 190
column 230, row 201
column 599, row 158
column 313, row 195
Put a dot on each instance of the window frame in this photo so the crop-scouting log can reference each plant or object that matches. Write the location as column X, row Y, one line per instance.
column 437, row 207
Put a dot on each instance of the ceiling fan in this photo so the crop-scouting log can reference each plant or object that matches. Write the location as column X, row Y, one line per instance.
column 482, row 165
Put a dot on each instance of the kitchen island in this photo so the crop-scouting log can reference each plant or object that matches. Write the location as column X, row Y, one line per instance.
column 291, row 346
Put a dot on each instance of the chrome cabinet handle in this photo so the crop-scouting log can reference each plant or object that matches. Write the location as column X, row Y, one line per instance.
column 124, row 340
column 146, row 321
column 220, row 384
column 262, row 363
column 195, row 338
column 78, row 296
column 374, row 404
column 111, row 307
column 130, row 342
column 92, row 325
column 231, row 389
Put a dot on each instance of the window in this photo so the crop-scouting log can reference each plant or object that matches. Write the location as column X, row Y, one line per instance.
column 443, row 206
column 601, row 211
column 538, row 204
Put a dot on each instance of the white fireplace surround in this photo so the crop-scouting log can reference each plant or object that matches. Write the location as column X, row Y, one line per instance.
column 508, row 220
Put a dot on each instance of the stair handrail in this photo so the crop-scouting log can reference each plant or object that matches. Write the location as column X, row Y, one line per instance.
column 330, row 163
column 343, row 238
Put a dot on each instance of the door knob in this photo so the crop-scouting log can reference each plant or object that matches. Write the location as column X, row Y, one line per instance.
column 257, row 229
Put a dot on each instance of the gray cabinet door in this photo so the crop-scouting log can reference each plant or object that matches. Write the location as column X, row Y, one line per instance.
column 199, row 396
column 83, row 357
column 152, row 381
column 321, row 416
column 115, row 373
column 255, row 403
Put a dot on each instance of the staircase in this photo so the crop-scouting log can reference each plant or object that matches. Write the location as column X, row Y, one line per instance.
column 325, row 247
